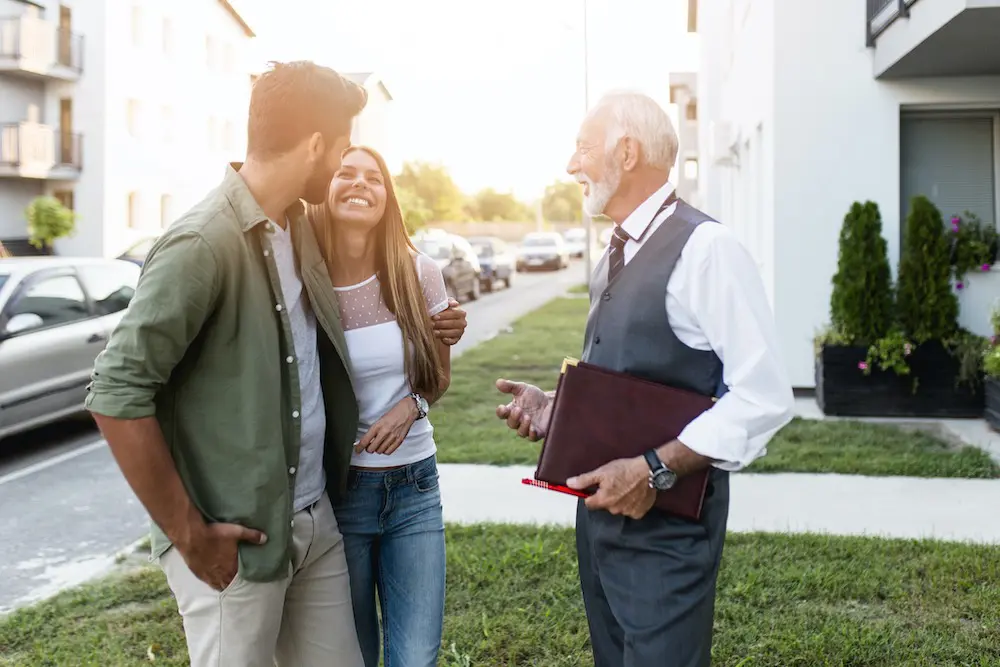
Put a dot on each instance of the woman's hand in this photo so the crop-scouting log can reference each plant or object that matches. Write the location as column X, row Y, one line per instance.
column 450, row 324
column 387, row 434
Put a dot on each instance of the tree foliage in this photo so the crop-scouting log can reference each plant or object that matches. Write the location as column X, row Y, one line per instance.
column 563, row 202
column 926, row 304
column 861, row 308
column 433, row 185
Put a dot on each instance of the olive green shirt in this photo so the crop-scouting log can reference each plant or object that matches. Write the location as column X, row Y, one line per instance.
column 206, row 347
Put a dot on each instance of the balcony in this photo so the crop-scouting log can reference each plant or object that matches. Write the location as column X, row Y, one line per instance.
column 35, row 48
column 33, row 150
column 934, row 38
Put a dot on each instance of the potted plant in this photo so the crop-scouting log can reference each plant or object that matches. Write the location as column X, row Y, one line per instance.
column 48, row 220
column 915, row 363
column 861, row 313
column 974, row 247
column 991, row 366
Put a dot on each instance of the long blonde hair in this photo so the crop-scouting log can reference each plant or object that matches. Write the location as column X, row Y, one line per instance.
column 397, row 277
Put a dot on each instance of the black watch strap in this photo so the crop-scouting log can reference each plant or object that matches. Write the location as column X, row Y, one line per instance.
column 655, row 464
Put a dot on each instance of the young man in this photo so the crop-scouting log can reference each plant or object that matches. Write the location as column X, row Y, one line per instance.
column 225, row 397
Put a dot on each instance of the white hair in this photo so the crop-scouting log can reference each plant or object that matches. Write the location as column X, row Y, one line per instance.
column 638, row 116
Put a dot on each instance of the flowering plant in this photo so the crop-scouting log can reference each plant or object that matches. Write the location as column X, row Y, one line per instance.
column 973, row 246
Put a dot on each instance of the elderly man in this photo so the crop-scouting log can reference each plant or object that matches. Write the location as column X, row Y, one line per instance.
column 676, row 299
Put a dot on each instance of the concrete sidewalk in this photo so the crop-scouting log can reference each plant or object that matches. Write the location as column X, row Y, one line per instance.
column 904, row 507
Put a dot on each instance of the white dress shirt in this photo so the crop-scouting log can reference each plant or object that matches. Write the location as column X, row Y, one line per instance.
column 716, row 301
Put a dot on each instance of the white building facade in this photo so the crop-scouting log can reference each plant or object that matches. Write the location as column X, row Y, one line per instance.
column 806, row 107
column 148, row 109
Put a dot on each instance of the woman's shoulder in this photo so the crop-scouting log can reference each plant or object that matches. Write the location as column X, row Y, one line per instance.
column 426, row 265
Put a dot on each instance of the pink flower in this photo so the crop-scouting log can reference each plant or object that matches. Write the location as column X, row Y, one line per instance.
column 907, row 349
column 986, row 267
column 863, row 365
column 960, row 286
column 955, row 221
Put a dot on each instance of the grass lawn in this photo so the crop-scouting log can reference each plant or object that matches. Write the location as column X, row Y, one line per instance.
column 467, row 430
column 513, row 599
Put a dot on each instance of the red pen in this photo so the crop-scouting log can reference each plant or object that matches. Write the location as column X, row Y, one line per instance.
column 553, row 487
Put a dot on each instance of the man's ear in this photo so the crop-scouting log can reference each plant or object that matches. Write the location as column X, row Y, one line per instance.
column 631, row 148
column 317, row 146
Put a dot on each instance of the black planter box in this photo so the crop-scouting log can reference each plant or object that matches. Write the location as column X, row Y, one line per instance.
column 993, row 402
column 843, row 389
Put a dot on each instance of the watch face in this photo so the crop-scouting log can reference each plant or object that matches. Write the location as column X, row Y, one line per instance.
column 664, row 480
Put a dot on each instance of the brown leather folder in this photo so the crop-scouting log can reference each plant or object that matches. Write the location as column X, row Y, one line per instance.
column 600, row 415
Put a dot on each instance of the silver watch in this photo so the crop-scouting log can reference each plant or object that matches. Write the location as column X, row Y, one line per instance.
column 422, row 406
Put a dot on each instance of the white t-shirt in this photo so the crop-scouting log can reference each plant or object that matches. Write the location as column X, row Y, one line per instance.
column 375, row 346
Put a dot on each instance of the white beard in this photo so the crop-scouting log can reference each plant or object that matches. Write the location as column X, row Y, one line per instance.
column 601, row 193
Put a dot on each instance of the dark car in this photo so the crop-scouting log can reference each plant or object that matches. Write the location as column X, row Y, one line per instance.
column 497, row 259
column 458, row 263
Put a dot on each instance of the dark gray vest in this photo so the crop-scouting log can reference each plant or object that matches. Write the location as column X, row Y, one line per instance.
column 628, row 329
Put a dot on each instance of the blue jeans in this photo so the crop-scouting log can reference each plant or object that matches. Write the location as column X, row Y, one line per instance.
column 393, row 532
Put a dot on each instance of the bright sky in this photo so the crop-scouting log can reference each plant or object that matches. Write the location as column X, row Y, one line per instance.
column 492, row 90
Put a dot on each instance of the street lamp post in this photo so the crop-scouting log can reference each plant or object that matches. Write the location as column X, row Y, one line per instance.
column 588, row 222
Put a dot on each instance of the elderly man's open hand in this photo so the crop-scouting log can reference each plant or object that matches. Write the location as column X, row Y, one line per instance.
column 528, row 411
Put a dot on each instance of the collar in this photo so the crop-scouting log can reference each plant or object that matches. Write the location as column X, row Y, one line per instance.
column 638, row 221
column 248, row 212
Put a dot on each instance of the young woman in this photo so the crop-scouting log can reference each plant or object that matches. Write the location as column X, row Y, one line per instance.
column 391, row 517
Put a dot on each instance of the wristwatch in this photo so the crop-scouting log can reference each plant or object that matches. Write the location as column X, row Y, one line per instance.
column 661, row 477
column 422, row 406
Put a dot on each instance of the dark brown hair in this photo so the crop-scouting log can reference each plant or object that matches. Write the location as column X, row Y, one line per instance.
column 293, row 100
column 397, row 276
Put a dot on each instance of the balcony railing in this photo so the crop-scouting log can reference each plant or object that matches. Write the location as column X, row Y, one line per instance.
column 36, row 150
column 881, row 14
column 39, row 46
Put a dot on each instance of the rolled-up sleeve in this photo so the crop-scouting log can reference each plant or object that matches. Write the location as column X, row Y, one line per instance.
column 175, row 295
column 726, row 297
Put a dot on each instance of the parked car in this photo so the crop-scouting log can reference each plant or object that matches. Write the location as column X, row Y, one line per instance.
column 458, row 262
column 543, row 250
column 497, row 259
column 576, row 241
column 56, row 315
column 137, row 252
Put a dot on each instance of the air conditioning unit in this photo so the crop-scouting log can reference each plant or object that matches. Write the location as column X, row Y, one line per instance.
column 721, row 143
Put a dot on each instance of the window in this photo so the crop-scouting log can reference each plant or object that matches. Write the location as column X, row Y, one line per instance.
column 136, row 26
column 3, row 277
column 210, row 52
column 691, row 111
column 228, row 136
column 165, row 204
column 133, row 118
column 168, row 37
column 133, row 210
column 111, row 286
column 951, row 159
column 691, row 169
column 167, row 123
column 57, row 300
column 65, row 198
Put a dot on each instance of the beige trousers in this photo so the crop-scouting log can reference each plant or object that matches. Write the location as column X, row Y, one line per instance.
column 304, row 620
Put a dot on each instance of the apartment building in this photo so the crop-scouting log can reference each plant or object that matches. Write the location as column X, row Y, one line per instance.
column 126, row 110
column 806, row 107
column 684, row 95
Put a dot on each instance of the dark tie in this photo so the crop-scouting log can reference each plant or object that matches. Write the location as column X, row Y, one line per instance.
column 616, row 256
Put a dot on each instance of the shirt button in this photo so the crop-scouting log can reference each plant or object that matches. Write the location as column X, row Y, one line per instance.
column 289, row 359
column 291, row 471
column 597, row 340
column 278, row 308
column 606, row 296
column 295, row 414
column 267, row 253
column 293, row 523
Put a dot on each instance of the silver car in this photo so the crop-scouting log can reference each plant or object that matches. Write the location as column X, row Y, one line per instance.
column 56, row 315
